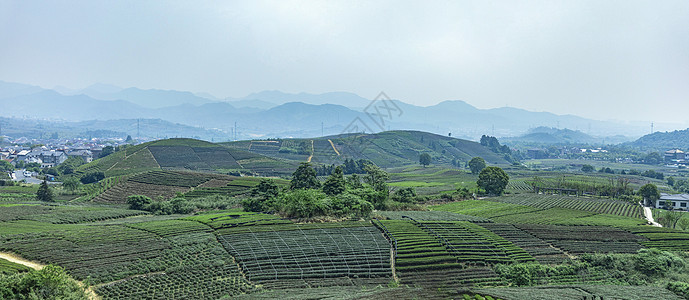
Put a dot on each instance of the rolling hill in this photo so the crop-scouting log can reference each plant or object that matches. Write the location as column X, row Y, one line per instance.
column 662, row 141
column 187, row 154
column 386, row 149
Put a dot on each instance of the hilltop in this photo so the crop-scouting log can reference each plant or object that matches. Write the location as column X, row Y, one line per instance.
column 386, row 149
column 678, row 139
column 186, row 154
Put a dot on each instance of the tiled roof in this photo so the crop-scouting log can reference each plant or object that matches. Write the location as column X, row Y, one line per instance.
column 676, row 197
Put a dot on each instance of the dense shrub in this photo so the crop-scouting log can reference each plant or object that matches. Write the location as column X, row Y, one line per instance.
column 49, row 283
column 139, row 202
column 92, row 177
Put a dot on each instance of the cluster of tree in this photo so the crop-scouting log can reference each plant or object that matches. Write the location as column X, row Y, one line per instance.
column 653, row 158
column 652, row 174
column 680, row 185
column 493, row 180
column 92, row 177
column 648, row 173
column 350, row 166
column 32, row 167
column 477, row 164
column 6, row 166
column 65, row 168
column 493, row 144
column 177, row 205
column 339, row 196
column 107, row 150
column 49, row 283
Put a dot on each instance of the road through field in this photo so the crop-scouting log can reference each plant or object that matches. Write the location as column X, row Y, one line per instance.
column 18, row 260
column 331, row 144
column 37, row 266
column 649, row 216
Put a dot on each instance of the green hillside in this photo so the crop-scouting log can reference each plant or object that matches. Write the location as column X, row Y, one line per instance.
column 186, row 154
column 662, row 141
column 386, row 149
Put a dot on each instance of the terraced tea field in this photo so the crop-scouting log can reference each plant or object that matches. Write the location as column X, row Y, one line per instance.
column 603, row 206
column 308, row 252
column 166, row 184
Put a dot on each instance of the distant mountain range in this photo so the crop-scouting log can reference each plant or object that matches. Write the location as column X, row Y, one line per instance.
column 553, row 136
column 276, row 114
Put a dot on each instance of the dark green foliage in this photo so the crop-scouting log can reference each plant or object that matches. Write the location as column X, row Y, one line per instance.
column 304, row 178
column 303, row 203
column 71, row 184
column 335, row 184
column 69, row 165
column 354, row 182
column 107, row 150
column 347, row 204
column 349, row 166
column 476, row 164
column 649, row 192
column 606, row 170
column 138, row 202
column 49, row 283
column 404, row 195
column 6, row 166
column 44, row 193
column 463, row 193
column 262, row 196
column 425, row 159
column 653, row 158
column 92, row 177
column 492, row 143
column 376, row 178
column 679, row 288
column 653, row 174
column 493, row 180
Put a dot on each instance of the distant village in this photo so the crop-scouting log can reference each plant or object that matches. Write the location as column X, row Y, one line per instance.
column 53, row 152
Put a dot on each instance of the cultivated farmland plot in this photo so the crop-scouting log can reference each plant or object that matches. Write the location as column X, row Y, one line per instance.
column 360, row 252
column 580, row 292
column 586, row 239
column 603, row 206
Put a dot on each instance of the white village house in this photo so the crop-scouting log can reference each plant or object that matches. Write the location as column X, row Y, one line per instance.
column 676, row 201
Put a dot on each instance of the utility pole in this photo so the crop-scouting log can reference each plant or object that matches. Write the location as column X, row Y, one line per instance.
column 322, row 129
column 235, row 130
column 138, row 132
column 651, row 127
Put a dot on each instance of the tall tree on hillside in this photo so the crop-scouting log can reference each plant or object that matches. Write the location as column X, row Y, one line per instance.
column 493, row 179
column 44, row 193
column 650, row 192
column 335, row 184
column 376, row 178
column 425, row 159
column 477, row 164
column 304, row 178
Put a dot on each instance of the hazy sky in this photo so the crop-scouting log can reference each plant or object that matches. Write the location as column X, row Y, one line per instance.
column 599, row 59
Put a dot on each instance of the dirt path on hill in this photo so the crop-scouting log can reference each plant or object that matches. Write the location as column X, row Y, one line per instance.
column 310, row 157
column 37, row 266
column 18, row 260
column 331, row 144
column 649, row 216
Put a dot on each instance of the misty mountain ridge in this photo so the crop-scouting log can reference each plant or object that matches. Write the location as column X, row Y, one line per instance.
column 278, row 114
